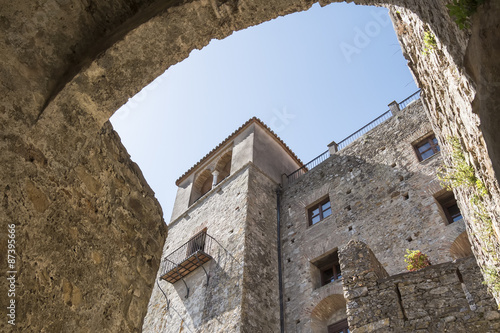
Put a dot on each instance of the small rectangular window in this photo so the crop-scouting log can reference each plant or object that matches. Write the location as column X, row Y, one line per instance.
column 319, row 211
column 427, row 147
column 339, row 327
column 330, row 273
column 329, row 269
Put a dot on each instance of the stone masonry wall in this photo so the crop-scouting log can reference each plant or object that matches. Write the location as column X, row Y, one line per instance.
column 260, row 305
column 241, row 296
column 448, row 97
column 447, row 297
column 216, row 307
column 89, row 235
column 381, row 194
column 68, row 65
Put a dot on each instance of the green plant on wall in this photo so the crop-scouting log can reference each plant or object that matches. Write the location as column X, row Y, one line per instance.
column 416, row 260
column 461, row 174
column 492, row 279
column 462, row 10
column 429, row 42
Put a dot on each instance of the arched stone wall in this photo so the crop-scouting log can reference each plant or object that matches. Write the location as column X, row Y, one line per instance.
column 330, row 306
column 453, row 108
column 67, row 66
column 327, row 304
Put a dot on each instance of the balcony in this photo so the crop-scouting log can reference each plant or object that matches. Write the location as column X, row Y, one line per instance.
column 188, row 257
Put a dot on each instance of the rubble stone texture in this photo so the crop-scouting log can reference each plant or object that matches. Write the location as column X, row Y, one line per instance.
column 457, row 111
column 89, row 235
column 87, row 224
column 440, row 298
column 237, row 290
column 379, row 193
column 240, row 214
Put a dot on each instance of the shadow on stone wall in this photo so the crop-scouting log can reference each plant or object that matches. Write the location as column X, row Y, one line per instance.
column 221, row 296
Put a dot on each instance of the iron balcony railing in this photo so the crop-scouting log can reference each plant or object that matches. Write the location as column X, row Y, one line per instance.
column 345, row 142
column 188, row 257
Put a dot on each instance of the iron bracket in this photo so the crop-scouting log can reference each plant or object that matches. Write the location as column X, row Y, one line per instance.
column 180, row 276
column 199, row 262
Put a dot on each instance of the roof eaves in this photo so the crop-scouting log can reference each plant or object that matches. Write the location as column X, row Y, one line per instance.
column 232, row 136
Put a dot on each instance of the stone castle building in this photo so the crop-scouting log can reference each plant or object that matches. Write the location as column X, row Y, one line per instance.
column 344, row 224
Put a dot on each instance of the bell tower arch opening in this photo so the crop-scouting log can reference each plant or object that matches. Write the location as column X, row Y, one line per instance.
column 201, row 186
column 223, row 167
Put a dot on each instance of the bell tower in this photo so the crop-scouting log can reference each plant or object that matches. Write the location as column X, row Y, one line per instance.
column 219, row 270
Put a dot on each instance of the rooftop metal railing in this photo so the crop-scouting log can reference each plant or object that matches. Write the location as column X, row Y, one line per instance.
column 345, row 142
column 308, row 166
column 363, row 130
column 404, row 103
column 377, row 121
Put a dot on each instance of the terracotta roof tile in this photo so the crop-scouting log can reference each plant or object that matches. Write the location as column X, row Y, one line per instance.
column 232, row 136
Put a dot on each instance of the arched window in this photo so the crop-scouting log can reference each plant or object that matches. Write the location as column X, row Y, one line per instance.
column 223, row 166
column 207, row 186
column 201, row 186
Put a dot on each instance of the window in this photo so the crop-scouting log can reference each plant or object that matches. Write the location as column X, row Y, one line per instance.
column 223, row 166
column 330, row 274
column 427, row 147
column 329, row 268
column 449, row 206
column 319, row 211
column 339, row 327
column 207, row 186
column 201, row 186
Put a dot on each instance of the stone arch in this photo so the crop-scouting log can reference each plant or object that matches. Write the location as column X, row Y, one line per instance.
column 148, row 44
column 223, row 166
column 201, row 185
column 461, row 247
column 329, row 310
column 446, row 243
column 71, row 64
column 321, row 294
column 119, row 56
column 328, row 305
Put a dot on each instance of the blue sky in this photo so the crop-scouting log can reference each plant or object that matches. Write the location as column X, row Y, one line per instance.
column 313, row 77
